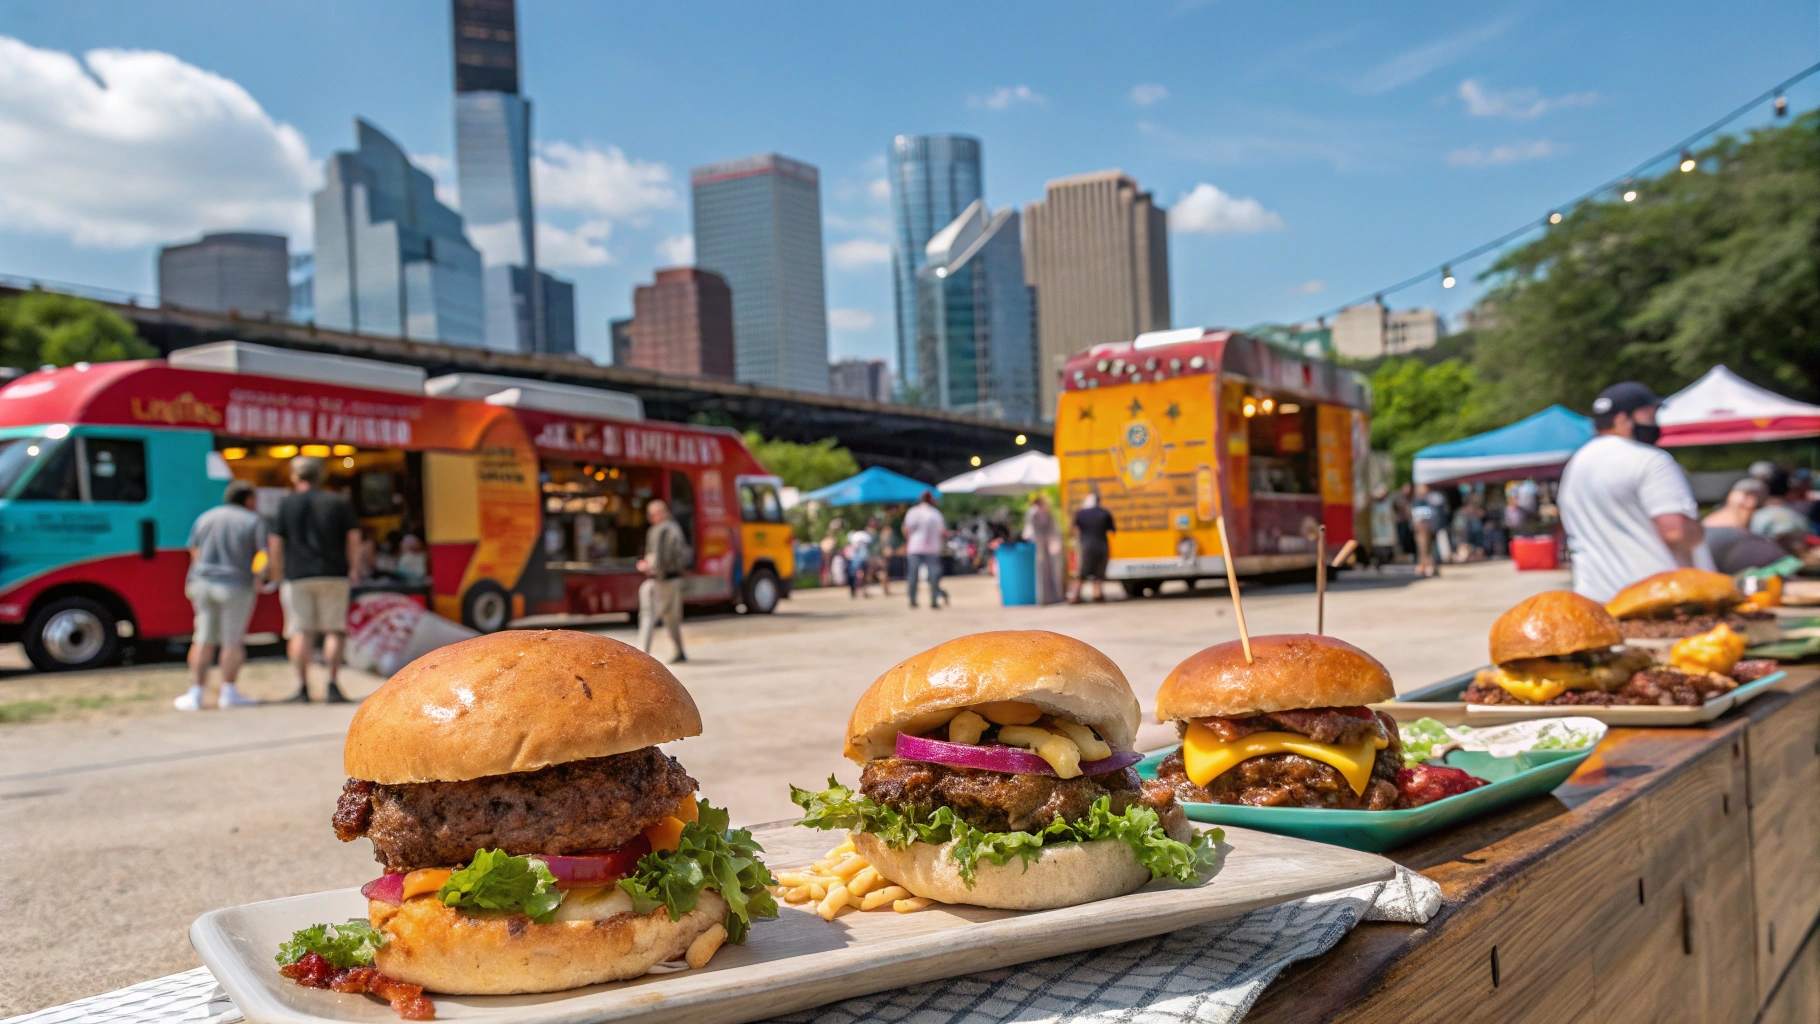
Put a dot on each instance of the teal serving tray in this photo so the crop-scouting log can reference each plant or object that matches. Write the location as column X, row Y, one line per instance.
column 1531, row 773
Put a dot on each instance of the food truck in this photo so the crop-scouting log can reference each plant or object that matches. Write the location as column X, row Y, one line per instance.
column 489, row 499
column 1175, row 426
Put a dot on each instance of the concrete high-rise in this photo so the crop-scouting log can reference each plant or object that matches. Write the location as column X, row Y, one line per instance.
column 683, row 323
column 391, row 259
column 758, row 224
column 976, row 349
column 1096, row 249
column 526, row 310
column 869, row 379
column 229, row 271
column 933, row 178
column 1370, row 329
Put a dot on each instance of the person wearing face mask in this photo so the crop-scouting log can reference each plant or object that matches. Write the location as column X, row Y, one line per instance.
column 1627, row 506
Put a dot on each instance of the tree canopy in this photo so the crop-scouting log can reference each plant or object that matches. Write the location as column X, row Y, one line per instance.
column 803, row 466
column 1415, row 404
column 39, row 328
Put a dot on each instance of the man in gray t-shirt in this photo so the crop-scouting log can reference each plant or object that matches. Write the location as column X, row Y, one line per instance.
column 222, row 587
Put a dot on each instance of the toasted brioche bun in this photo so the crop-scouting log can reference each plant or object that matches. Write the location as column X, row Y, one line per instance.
column 1062, row 875
column 1552, row 623
column 515, row 701
column 1059, row 674
column 494, row 954
column 1289, row 671
column 1665, row 591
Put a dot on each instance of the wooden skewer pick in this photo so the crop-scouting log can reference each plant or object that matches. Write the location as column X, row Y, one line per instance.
column 1345, row 553
column 1232, row 584
column 1320, row 581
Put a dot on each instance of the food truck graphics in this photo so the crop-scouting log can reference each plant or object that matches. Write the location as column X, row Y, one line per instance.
column 514, row 511
column 1173, row 427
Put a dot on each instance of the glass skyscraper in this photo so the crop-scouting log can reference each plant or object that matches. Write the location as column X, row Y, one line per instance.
column 758, row 224
column 389, row 258
column 933, row 178
column 526, row 310
column 976, row 343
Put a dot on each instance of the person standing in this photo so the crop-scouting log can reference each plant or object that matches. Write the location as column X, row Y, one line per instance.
column 221, row 587
column 315, row 546
column 886, row 547
column 925, row 531
column 1626, row 505
column 1426, row 517
column 1039, row 529
column 859, row 562
column 660, row 596
column 1093, row 546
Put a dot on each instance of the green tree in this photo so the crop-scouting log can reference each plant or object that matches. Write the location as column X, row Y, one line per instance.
column 39, row 328
column 1415, row 405
column 803, row 466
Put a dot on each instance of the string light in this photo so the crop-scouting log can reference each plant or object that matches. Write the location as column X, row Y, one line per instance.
column 974, row 461
column 1447, row 278
column 1687, row 162
column 1630, row 196
column 1021, row 439
column 1554, row 216
column 1781, row 105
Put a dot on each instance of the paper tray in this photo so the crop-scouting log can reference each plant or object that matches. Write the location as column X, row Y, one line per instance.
column 799, row 960
column 1442, row 703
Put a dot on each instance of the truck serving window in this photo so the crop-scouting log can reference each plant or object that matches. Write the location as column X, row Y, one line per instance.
column 55, row 479
column 116, row 469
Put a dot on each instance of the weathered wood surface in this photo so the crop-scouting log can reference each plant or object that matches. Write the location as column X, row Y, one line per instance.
column 1797, row 999
column 1642, row 889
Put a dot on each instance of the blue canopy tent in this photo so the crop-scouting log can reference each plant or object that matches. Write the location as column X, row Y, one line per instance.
column 875, row 486
column 1535, row 447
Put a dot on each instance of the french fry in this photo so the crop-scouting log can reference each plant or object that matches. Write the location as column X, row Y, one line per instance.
column 879, row 897
column 849, row 867
column 818, row 892
column 836, row 899
column 912, row 904
column 864, row 881
column 800, row 894
column 702, row 949
column 792, row 879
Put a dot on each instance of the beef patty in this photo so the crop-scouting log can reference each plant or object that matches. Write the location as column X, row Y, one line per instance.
column 1002, row 802
column 1291, row 780
column 1686, row 623
column 595, row 804
column 1657, row 686
column 1342, row 726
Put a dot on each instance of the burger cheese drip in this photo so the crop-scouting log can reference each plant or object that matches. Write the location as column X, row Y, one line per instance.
column 1206, row 757
column 1540, row 680
column 1717, row 651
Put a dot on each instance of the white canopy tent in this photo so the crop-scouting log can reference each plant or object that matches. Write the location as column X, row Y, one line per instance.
column 1722, row 408
column 1019, row 474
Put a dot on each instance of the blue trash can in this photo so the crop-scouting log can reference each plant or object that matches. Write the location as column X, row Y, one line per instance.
column 1017, row 573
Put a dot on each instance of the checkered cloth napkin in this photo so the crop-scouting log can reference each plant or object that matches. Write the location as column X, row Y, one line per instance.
column 1205, row 975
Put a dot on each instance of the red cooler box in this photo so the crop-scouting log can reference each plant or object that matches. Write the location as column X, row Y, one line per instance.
column 1532, row 553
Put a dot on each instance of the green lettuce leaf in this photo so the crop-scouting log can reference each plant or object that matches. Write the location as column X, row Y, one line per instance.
column 342, row 945
column 1139, row 827
column 496, row 880
column 709, row 855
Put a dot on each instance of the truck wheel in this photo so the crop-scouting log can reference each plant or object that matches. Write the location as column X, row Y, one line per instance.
column 486, row 607
column 1140, row 588
column 762, row 592
column 71, row 634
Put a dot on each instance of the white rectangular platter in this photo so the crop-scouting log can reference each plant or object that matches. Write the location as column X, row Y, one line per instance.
column 798, row 960
column 1457, row 712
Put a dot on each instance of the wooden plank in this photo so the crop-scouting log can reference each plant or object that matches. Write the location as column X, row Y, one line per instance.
column 1783, row 753
column 1797, row 999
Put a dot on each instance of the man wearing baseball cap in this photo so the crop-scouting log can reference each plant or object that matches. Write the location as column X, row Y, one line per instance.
column 1627, row 506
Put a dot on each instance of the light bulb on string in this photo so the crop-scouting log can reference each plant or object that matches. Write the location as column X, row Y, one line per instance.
column 1687, row 162
column 1447, row 278
column 1630, row 195
column 1554, row 216
column 1781, row 105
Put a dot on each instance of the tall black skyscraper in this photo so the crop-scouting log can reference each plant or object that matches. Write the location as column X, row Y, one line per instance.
column 486, row 46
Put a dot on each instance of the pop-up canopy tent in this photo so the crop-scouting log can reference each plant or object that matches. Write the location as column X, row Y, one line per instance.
column 1722, row 408
column 874, row 486
column 1535, row 447
column 1019, row 474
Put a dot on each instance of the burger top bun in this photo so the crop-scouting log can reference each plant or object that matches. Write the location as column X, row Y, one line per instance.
column 1059, row 674
column 1665, row 591
column 515, row 701
column 1288, row 672
column 1554, row 622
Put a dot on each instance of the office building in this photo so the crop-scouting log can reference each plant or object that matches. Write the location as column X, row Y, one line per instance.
column 619, row 336
column 869, row 379
column 1369, row 330
column 390, row 259
column 975, row 349
column 1408, row 330
column 526, row 309
column 683, row 323
column 758, row 224
column 1096, row 249
column 240, row 272
column 933, row 178
column 302, row 282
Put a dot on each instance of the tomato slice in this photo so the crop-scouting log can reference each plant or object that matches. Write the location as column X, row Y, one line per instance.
column 585, row 870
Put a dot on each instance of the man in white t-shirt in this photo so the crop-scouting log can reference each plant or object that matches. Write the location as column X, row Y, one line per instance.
column 925, row 531
column 1627, row 506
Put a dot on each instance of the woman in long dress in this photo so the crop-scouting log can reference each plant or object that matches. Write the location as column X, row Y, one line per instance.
column 1040, row 529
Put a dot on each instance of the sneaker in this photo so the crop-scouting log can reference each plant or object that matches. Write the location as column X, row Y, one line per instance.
column 679, row 659
column 231, row 697
column 300, row 697
column 335, row 696
column 190, row 701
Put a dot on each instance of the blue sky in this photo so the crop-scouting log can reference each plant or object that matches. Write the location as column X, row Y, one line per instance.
column 1313, row 151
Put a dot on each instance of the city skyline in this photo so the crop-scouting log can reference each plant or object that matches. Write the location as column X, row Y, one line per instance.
column 1330, row 152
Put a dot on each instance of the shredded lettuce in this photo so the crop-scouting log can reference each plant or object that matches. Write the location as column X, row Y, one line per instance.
column 1420, row 738
column 342, row 945
column 838, row 807
column 496, row 880
column 709, row 855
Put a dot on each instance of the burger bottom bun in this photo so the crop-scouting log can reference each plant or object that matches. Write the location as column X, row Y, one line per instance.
column 457, row 953
column 1063, row 875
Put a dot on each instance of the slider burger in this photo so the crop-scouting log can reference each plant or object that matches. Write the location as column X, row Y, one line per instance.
column 997, row 771
column 1556, row 648
column 1687, row 602
column 534, row 837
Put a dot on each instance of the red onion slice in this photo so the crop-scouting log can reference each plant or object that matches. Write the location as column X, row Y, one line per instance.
column 385, row 889
column 999, row 758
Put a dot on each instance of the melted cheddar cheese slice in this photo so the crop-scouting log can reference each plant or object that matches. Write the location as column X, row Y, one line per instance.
column 1540, row 680
column 1206, row 757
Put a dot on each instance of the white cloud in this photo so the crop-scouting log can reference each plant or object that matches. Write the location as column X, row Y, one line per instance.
column 677, row 251
column 859, row 253
column 1307, row 288
column 1208, row 211
column 584, row 246
column 1145, row 95
column 1007, row 96
column 1518, row 104
column 1412, row 64
column 878, row 190
column 130, row 147
column 1511, row 153
column 850, row 320
column 604, row 182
